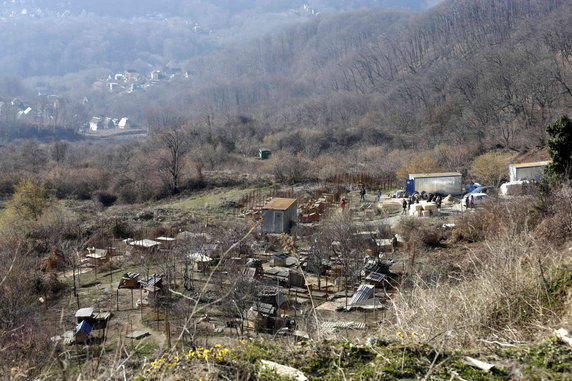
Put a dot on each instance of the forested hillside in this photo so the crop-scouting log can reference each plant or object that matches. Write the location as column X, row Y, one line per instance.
column 199, row 8
column 53, row 38
column 492, row 72
column 387, row 89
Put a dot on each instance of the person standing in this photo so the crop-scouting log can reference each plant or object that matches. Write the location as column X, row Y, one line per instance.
column 404, row 204
column 378, row 197
column 472, row 202
column 362, row 194
column 343, row 203
column 393, row 244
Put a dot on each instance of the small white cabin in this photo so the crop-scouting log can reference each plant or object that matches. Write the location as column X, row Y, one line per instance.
column 527, row 171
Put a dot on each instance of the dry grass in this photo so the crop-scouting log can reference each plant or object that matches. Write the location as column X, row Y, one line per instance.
column 515, row 283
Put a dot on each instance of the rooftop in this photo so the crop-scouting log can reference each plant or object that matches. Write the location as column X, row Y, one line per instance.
column 83, row 327
column 281, row 256
column 436, row 174
column 84, row 312
column 278, row 203
column 364, row 292
column 263, row 308
column 531, row 164
column 198, row 257
column 97, row 254
column 147, row 243
column 130, row 275
column 154, row 280
column 375, row 277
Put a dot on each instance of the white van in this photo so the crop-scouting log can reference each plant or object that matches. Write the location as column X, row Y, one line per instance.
column 479, row 198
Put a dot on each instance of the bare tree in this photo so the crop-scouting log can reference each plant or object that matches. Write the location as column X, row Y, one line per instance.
column 348, row 248
column 175, row 144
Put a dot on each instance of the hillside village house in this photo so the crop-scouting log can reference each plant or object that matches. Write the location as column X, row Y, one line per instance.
column 131, row 75
column 108, row 123
column 96, row 124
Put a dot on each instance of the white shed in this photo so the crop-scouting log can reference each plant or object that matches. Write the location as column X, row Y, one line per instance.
column 527, row 171
column 279, row 215
column 443, row 183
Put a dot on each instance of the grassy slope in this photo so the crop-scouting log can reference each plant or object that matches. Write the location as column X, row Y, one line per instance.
column 400, row 359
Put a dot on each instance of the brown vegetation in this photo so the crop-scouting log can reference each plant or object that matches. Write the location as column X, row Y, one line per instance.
column 513, row 278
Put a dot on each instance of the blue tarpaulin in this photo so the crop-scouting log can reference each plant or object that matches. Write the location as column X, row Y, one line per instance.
column 83, row 327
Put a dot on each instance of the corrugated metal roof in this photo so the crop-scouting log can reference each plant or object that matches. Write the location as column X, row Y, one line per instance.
column 343, row 325
column 155, row 279
column 375, row 277
column 278, row 203
column 531, row 164
column 249, row 272
column 364, row 292
column 437, row 174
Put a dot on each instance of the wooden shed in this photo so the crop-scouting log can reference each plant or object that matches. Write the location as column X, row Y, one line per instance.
column 98, row 257
column 279, row 215
column 280, row 259
column 82, row 333
column 200, row 260
column 129, row 280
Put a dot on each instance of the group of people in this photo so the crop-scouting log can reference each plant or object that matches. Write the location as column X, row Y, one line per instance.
column 362, row 193
column 416, row 197
column 470, row 202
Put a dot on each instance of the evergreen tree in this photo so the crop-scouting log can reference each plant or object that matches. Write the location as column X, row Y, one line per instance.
column 560, row 148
